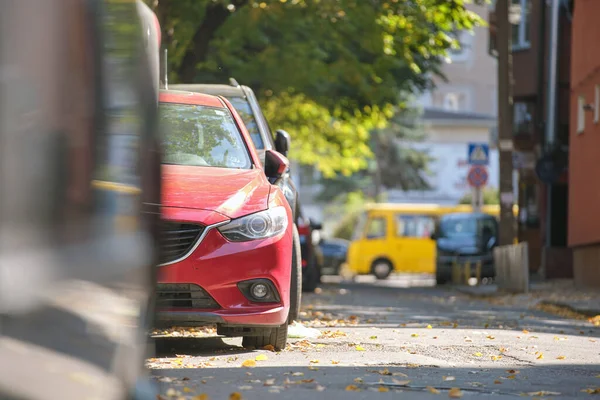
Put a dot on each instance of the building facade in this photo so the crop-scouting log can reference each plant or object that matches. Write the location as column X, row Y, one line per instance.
column 584, row 193
column 530, row 28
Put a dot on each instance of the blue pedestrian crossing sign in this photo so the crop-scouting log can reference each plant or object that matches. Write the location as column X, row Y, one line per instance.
column 479, row 154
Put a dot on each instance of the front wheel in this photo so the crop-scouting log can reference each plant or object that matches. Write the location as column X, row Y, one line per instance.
column 276, row 337
column 296, row 280
column 382, row 269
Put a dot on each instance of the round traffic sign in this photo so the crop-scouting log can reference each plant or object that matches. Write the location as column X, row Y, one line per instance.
column 478, row 176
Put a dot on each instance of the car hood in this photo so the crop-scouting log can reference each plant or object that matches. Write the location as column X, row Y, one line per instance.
column 231, row 192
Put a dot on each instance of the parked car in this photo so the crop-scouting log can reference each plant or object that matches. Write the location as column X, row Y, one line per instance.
column 465, row 238
column 334, row 255
column 312, row 258
column 244, row 101
column 80, row 164
column 227, row 233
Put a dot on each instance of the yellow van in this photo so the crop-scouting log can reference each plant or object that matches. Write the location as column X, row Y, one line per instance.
column 397, row 237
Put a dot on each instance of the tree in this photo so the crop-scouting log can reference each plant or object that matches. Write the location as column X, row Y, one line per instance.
column 328, row 71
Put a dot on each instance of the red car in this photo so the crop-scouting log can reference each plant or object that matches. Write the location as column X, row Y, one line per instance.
column 226, row 248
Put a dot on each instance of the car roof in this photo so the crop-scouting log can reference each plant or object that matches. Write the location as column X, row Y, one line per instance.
column 213, row 89
column 184, row 97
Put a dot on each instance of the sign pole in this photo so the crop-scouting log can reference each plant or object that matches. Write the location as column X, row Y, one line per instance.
column 476, row 198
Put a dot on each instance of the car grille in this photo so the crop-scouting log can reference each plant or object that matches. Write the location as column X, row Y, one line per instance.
column 176, row 239
column 183, row 295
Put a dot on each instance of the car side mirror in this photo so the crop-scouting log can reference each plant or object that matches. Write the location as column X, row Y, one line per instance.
column 491, row 243
column 282, row 142
column 315, row 226
column 275, row 164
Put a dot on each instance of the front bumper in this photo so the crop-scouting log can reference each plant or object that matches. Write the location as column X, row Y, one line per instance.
column 444, row 265
column 214, row 270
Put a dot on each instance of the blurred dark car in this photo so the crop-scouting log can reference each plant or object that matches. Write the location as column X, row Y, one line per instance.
column 312, row 257
column 79, row 178
column 465, row 238
column 334, row 255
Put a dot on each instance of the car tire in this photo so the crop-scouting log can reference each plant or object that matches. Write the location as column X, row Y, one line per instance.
column 382, row 269
column 296, row 280
column 313, row 276
column 441, row 280
column 276, row 337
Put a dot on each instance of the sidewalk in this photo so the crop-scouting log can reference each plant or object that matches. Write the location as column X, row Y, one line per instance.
column 558, row 293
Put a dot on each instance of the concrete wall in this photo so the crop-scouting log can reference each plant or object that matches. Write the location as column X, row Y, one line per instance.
column 584, row 191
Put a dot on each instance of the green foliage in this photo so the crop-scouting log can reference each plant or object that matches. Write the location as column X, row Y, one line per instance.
column 490, row 196
column 345, row 210
column 326, row 71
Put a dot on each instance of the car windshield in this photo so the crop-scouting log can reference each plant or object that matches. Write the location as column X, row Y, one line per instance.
column 242, row 106
column 201, row 136
column 458, row 227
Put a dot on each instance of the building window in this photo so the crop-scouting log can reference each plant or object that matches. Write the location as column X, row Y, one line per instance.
column 523, row 118
column 465, row 40
column 520, row 19
column 597, row 105
column 580, row 114
column 451, row 102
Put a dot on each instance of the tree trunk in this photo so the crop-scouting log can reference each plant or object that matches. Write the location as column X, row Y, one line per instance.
column 377, row 177
column 216, row 15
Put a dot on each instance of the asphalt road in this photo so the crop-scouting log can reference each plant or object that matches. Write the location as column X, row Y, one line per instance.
column 381, row 338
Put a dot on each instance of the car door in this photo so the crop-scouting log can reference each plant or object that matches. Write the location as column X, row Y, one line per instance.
column 413, row 249
column 374, row 240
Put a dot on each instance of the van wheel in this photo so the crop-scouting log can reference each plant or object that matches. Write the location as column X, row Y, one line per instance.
column 276, row 337
column 382, row 269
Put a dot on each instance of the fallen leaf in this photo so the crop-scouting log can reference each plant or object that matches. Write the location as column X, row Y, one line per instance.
column 455, row 393
column 401, row 383
column 511, row 377
column 359, row 348
column 298, row 374
column 497, row 382
column 320, row 388
column 597, row 376
column 314, row 361
column 486, row 326
column 478, row 354
column 261, row 357
column 561, row 357
column 269, row 347
column 432, row 390
column 358, row 380
column 503, row 349
column 512, row 371
column 543, row 393
column 383, row 389
column 269, row 382
column 429, row 327
column 491, row 337
column 202, row 396
column 373, row 337
column 249, row 364
column 414, row 335
column 307, row 380
column 235, row 396
column 448, row 378
column 313, row 368
column 455, row 325
column 540, row 356
column 525, row 331
column 352, row 388
column 496, row 358
column 187, row 390
column 172, row 392
column 335, row 362
column 591, row 391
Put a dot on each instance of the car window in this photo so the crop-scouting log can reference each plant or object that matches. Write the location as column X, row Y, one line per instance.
column 201, row 136
column 376, row 228
column 243, row 108
column 415, row 226
column 488, row 226
column 458, row 226
column 360, row 226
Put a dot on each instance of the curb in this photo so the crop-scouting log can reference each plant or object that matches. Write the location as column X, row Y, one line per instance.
column 588, row 312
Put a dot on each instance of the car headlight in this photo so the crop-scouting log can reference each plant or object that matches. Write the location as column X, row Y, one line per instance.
column 260, row 225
